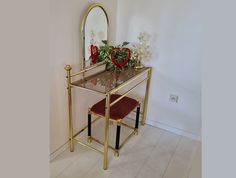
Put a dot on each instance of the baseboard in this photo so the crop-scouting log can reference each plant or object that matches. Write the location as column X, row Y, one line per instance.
column 58, row 151
column 170, row 128
column 173, row 129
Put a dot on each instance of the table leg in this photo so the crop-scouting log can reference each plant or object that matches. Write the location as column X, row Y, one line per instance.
column 107, row 114
column 145, row 105
column 68, row 69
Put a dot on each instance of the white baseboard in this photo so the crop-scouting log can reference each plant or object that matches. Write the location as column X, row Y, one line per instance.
column 59, row 151
column 170, row 128
column 173, row 129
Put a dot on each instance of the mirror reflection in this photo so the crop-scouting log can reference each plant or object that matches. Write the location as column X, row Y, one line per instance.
column 95, row 30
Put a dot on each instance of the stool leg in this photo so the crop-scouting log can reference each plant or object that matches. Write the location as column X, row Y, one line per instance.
column 117, row 140
column 137, row 119
column 89, row 128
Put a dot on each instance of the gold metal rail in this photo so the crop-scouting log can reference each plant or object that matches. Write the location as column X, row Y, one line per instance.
column 68, row 70
column 146, row 96
column 126, row 93
column 101, row 143
column 124, row 142
column 86, row 89
column 86, row 127
column 107, row 116
column 126, row 125
column 88, row 146
column 127, row 82
column 88, row 69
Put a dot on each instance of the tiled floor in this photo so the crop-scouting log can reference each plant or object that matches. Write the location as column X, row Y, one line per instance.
column 153, row 153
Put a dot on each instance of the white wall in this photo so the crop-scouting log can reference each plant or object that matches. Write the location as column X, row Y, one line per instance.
column 176, row 39
column 64, row 43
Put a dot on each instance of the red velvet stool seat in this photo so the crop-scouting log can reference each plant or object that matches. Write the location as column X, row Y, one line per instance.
column 119, row 110
column 117, row 113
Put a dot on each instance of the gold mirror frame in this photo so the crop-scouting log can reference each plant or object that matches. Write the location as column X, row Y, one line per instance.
column 82, row 33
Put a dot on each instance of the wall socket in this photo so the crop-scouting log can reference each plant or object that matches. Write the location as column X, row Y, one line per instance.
column 173, row 98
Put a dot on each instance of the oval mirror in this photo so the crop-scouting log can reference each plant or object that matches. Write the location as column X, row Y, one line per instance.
column 94, row 30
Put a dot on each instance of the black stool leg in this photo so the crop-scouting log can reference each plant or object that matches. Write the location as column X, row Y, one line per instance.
column 117, row 140
column 89, row 127
column 137, row 117
column 137, row 120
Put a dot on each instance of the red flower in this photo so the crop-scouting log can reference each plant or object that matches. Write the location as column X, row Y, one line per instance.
column 94, row 53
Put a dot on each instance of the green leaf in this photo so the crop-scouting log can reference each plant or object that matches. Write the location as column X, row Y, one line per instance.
column 104, row 42
column 125, row 43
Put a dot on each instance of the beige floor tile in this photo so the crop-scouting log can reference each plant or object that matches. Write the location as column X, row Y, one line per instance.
column 147, row 138
column 127, row 170
column 195, row 171
column 97, row 171
column 83, row 163
column 181, row 161
column 161, row 154
column 147, row 172
column 62, row 161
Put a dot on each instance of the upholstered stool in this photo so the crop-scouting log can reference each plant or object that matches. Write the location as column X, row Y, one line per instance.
column 117, row 113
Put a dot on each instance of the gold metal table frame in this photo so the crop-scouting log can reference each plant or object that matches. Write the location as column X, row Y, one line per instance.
column 110, row 87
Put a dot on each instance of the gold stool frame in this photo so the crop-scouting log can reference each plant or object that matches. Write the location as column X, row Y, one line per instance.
column 117, row 122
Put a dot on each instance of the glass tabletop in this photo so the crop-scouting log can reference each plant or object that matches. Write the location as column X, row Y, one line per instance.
column 108, row 80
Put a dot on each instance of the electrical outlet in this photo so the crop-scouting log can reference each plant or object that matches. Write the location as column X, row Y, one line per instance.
column 173, row 98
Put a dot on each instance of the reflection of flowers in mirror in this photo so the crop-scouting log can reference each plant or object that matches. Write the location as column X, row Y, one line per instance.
column 92, row 38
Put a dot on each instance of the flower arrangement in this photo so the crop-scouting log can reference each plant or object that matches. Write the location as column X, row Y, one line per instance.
column 119, row 56
column 143, row 46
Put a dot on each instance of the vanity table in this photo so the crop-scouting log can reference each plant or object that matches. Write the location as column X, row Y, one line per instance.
column 105, row 82
column 94, row 30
